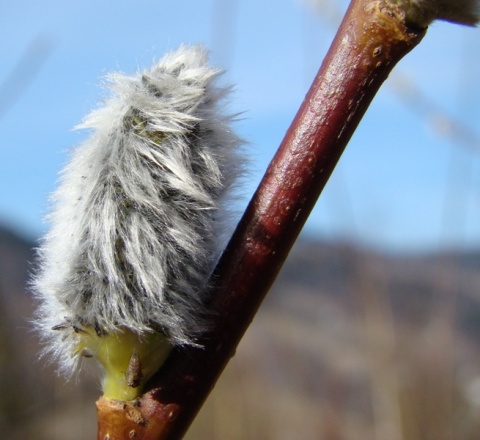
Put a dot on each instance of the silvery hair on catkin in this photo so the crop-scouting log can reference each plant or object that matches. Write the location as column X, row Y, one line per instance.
column 136, row 219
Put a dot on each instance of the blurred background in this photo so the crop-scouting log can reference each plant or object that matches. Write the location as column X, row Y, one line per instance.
column 373, row 329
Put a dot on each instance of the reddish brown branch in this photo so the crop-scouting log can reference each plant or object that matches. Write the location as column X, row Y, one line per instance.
column 370, row 41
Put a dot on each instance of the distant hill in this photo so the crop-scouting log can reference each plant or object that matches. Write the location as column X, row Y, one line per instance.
column 16, row 257
column 345, row 328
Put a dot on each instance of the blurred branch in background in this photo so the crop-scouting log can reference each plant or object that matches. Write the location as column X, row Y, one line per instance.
column 327, row 10
column 431, row 112
column 224, row 31
column 24, row 72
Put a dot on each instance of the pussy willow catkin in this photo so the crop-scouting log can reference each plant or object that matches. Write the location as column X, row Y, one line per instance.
column 136, row 220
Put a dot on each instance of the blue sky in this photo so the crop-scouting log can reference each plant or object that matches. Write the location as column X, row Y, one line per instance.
column 402, row 184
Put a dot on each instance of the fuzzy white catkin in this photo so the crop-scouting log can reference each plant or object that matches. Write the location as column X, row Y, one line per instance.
column 136, row 220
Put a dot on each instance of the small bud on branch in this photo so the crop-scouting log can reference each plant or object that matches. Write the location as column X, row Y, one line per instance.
column 420, row 13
